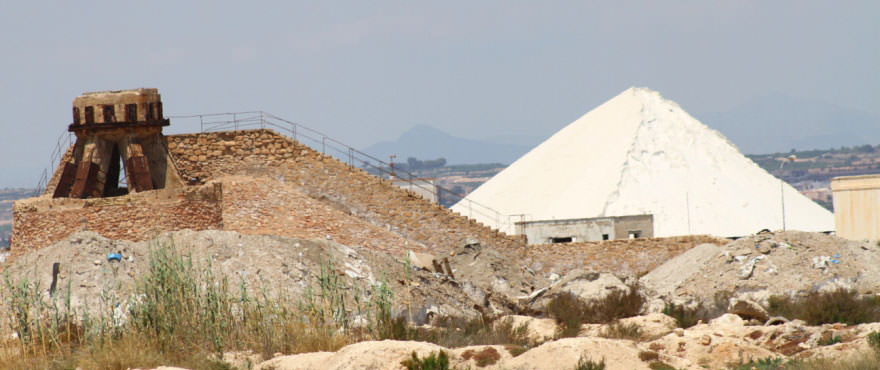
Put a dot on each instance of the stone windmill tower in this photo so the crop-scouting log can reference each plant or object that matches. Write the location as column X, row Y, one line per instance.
column 116, row 131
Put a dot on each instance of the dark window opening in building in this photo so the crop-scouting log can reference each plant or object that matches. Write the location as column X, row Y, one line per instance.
column 151, row 112
column 109, row 112
column 635, row 234
column 159, row 110
column 131, row 113
column 566, row 239
column 605, row 236
column 90, row 115
column 75, row 115
column 115, row 176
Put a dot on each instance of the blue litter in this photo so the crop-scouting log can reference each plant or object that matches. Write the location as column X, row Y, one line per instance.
column 114, row 257
column 837, row 255
column 836, row 262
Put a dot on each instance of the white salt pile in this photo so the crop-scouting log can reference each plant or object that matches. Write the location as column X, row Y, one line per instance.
column 641, row 154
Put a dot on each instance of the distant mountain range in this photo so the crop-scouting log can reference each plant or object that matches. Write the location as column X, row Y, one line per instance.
column 426, row 142
column 780, row 123
column 776, row 123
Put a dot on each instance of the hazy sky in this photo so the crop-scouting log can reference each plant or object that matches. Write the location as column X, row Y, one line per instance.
column 365, row 71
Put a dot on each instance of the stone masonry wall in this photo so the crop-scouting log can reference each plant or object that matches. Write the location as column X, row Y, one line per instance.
column 201, row 157
column 39, row 222
column 56, row 176
column 624, row 256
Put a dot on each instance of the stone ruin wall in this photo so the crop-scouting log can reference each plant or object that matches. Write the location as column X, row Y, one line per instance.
column 264, row 152
column 202, row 157
column 39, row 222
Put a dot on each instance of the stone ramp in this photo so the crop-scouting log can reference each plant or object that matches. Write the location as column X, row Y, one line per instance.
column 205, row 156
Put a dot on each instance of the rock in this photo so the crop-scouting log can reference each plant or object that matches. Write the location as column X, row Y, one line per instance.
column 590, row 285
column 663, row 280
column 421, row 260
column 364, row 355
column 727, row 320
column 653, row 325
column 565, row 353
column 745, row 271
column 705, row 340
column 775, row 320
column 766, row 246
column 748, row 310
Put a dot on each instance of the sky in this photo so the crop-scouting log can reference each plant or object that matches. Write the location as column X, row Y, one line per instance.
column 364, row 72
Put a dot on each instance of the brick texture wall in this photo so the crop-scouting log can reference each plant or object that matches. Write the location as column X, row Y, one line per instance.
column 627, row 256
column 39, row 222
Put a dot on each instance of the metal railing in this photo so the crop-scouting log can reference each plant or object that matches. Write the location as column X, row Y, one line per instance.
column 61, row 145
column 345, row 153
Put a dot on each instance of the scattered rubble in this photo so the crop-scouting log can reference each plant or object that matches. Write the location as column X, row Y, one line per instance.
column 278, row 265
column 765, row 264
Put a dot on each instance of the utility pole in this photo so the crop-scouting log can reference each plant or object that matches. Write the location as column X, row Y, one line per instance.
column 790, row 158
column 391, row 164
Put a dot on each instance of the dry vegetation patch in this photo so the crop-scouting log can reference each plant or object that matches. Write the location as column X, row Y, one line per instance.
column 571, row 312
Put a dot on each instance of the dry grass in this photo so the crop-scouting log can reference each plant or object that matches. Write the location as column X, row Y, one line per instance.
column 570, row 312
column 183, row 316
column 618, row 330
column 452, row 332
column 687, row 316
column 839, row 306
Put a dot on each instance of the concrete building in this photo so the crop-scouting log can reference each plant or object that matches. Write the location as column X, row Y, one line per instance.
column 857, row 206
column 425, row 187
column 587, row 229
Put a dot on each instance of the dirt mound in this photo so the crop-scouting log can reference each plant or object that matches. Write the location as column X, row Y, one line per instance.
column 278, row 265
column 769, row 263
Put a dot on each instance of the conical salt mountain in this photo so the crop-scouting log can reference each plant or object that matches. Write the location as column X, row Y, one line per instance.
column 639, row 154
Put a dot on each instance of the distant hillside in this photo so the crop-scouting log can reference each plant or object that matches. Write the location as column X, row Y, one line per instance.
column 7, row 196
column 780, row 123
column 427, row 142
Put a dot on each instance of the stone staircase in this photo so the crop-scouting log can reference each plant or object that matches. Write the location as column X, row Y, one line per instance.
column 263, row 152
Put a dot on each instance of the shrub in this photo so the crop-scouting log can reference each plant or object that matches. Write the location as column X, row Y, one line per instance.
column 618, row 330
column 570, row 312
column 434, row 361
column 488, row 356
column 515, row 350
column 874, row 341
column 648, row 356
column 459, row 332
column 686, row 317
column 585, row 364
column 659, row 365
column 863, row 361
column 839, row 306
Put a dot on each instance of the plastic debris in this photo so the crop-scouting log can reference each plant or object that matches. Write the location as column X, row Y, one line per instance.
column 114, row 257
